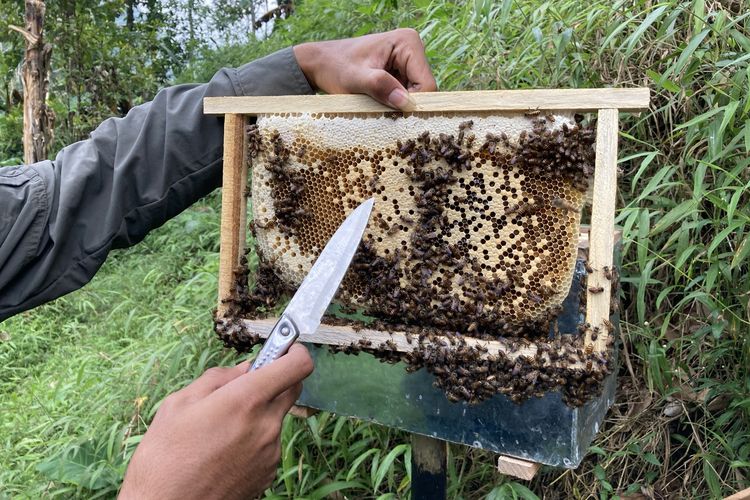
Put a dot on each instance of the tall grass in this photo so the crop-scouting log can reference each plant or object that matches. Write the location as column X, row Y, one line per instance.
column 80, row 378
column 683, row 424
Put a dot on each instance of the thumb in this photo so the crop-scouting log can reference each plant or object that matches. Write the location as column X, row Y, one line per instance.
column 384, row 87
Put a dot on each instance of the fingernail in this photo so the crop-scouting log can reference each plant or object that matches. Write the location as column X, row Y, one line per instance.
column 401, row 99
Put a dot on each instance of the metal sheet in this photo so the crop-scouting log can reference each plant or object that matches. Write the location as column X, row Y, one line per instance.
column 542, row 430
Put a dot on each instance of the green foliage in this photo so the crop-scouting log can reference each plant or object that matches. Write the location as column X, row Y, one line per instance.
column 311, row 21
column 101, row 66
column 681, row 425
column 11, row 135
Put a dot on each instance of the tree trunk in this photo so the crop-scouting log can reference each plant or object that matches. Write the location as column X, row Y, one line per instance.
column 191, row 25
column 38, row 118
column 129, row 18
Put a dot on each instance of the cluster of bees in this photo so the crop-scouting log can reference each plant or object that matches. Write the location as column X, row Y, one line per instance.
column 474, row 373
column 412, row 288
column 248, row 301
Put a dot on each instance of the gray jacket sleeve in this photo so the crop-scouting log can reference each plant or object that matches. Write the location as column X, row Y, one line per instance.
column 59, row 219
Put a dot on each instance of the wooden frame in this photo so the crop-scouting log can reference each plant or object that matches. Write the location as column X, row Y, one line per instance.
column 606, row 102
column 580, row 100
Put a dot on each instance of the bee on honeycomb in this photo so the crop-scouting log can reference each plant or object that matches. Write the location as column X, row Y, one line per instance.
column 474, row 231
column 463, row 233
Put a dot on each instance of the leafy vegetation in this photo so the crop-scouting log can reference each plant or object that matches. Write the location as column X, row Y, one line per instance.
column 81, row 377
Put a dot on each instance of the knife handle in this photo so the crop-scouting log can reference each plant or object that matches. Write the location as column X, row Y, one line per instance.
column 282, row 336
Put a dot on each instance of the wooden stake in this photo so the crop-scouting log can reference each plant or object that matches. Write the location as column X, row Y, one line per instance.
column 233, row 205
column 303, row 411
column 601, row 236
column 429, row 460
column 515, row 467
column 740, row 495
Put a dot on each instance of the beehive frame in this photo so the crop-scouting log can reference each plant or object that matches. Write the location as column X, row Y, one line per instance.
column 607, row 103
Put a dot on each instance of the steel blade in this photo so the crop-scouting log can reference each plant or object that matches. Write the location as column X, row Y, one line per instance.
column 319, row 286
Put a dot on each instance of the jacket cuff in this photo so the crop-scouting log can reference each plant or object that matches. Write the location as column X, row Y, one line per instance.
column 275, row 74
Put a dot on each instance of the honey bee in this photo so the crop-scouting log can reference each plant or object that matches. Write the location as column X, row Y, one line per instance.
column 607, row 272
column 564, row 205
column 406, row 219
column 596, row 289
column 466, row 125
column 588, row 267
column 365, row 343
column 532, row 113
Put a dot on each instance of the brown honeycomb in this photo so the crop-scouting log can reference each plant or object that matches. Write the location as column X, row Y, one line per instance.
column 476, row 219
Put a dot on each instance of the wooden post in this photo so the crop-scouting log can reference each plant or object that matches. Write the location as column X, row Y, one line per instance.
column 601, row 236
column 740, row 495
column 429, row 460
column 515, row 467
column 38, row 118
column 233, row 205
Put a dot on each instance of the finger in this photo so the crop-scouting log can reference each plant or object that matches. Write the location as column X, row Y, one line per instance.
column 212, row 379
column 266, row 383
column 410, row 60
column 284, row 401
column 383, row 87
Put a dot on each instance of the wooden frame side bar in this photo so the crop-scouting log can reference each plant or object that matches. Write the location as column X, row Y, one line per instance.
column 601, row 234
column 233, row 205
column 582, row 100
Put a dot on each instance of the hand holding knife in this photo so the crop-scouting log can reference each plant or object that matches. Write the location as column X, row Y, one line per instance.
column 306, row 309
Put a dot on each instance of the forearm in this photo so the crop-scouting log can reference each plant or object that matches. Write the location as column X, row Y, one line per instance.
column 59, row 219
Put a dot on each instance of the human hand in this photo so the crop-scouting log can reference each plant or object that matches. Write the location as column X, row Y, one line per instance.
column 386, row 66
column 219, row 437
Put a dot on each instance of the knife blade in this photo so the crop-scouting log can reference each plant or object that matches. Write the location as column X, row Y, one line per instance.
column 305, row 311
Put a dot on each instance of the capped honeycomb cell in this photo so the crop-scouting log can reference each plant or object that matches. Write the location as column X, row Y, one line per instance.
column 476, row 219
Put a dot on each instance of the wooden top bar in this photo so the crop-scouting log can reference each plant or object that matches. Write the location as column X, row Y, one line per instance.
column 583, row 100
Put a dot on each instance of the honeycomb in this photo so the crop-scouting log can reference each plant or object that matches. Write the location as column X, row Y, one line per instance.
column 476, row 218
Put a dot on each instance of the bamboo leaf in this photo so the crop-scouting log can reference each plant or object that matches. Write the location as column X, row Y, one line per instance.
column 722, row 236
column 684, row 209
column 687, row 52
column 742, row 254
column 330, row 488
column 712, row 478
column 729, row 112
column 662, row 81
column 358, row 461
column 387, row 462
column 637, row 34
column 651, row 458
column 699, row 119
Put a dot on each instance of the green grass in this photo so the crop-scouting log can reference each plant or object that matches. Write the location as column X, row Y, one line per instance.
column 81, row 377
